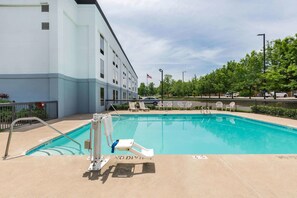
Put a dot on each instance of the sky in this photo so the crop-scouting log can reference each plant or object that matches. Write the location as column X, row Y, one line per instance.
column 195, row 36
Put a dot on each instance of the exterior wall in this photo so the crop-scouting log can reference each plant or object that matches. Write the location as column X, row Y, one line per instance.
column 62, row 63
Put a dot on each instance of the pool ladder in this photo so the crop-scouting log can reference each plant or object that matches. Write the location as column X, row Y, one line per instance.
column 41, row 121
column 115, row 110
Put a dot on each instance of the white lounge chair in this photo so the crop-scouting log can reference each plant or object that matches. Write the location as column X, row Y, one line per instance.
column 219, row 105
column 132, row 106
column 230, row 106
column 124, row 144
column 143, row 107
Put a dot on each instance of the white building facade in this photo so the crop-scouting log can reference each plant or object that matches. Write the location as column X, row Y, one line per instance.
column 62, row 50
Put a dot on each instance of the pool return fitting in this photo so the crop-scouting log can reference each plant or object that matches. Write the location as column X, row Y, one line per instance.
column 94, row 143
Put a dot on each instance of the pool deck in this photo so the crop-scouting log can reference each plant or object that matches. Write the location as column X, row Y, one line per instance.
column 163, row 176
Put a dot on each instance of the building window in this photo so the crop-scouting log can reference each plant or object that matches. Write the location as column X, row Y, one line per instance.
column 113, row 77
column 117, row 61
column 113, row 95
column 45, row 8
column 101, row 44
column 102, row 96
column 45, row 25
column 117, row 94
column 116, row 77
column 101, row 68
column 124, row 96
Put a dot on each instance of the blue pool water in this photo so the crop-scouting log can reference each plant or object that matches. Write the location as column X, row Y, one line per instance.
column 187, row 134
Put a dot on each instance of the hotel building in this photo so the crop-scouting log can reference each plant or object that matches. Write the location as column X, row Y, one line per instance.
column 65, row 51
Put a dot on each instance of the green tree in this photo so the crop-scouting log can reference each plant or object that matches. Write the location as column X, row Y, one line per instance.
column 151, row 89
column 142, row 90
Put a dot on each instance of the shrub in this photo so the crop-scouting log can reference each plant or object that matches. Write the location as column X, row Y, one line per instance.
column 4, row 101
column 275, row 111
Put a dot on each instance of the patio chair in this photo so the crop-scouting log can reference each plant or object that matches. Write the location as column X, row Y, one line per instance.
column 219, row 105
column 188, row 105
column 132, row 106
column 230, row 106
column 205, row 110
column 160, row 105
column 169, row 104
column 124, row 144
column 180, row 104
column 143, row 107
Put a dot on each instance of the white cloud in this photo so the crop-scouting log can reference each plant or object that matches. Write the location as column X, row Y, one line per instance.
column 195, row 35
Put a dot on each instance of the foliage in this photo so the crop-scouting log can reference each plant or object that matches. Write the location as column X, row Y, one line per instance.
column 275, row 111
column 4, row 101
column 245, row 76
column 8, row 114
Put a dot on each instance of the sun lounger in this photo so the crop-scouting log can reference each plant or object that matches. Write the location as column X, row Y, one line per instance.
column 143, row 107
column 132, row 106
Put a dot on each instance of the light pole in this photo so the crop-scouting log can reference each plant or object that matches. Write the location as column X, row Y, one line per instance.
column 264, row 59
column 183, row 74
column 162, row 93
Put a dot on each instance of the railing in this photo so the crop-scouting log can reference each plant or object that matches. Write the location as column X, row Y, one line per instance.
column 11, row 111
column 41, row 121
column 114, row 109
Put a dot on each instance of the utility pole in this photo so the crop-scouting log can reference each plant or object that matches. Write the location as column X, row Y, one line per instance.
column 183, row 75
column 162, row 90
column 264, row 59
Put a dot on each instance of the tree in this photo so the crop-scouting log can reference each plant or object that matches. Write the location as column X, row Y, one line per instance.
column 151, row 89
column 142, row 90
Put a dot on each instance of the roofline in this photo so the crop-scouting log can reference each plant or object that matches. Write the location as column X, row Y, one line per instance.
column 106, row 21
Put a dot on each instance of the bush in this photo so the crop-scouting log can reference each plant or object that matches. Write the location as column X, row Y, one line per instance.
column 119, row 107
column 4, row 101
column 275, row 111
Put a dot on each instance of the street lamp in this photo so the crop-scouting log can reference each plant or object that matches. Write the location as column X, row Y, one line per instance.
column 161, row 70
column 183, row 74
column 264, row 59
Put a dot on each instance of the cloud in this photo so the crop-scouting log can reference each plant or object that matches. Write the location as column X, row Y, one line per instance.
column 196, row 36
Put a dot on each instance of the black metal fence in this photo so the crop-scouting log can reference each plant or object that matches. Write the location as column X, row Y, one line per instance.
column 11, row 111
column 241, row 104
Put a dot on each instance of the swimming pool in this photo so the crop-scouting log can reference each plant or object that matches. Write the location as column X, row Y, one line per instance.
column 186, row 134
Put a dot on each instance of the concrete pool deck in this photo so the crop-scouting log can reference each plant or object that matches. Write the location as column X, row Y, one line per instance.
column 164, row 176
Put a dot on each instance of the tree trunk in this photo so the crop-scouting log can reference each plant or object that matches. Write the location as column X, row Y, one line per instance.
column 250, row 92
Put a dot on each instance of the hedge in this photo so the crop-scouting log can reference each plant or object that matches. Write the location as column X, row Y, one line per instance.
column 275, row 111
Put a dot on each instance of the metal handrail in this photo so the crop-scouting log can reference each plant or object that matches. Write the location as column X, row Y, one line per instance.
column 41, row 121
column 115, row 109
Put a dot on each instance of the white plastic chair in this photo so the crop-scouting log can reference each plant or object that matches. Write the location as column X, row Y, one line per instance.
column 143, row 107
column 219, row 105
column 160, row 105
column 230, row 106
column 180, row 104
column 124, row 144
column 132, row 106
column 188, row 105
column 168, row 104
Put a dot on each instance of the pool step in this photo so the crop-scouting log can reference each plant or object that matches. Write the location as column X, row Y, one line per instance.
column 57, row 150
